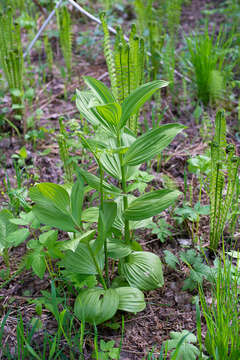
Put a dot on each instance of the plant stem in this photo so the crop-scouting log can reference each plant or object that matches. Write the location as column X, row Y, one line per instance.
column 97, row 267
column 124, row 188
column 81, row 340
column 105, row 239
column 6, row 258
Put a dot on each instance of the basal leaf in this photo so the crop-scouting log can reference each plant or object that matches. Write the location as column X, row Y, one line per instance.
column 143, row 270
column 130, row 299
column 96, row 305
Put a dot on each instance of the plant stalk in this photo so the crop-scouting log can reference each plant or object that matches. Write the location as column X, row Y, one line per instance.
column 124, row 188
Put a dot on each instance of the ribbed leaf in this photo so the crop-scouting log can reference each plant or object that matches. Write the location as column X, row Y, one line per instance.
column 52, row 206
column 96, row 305
column 94, row 182
column 77, row 195
column 151, row 144
column 137, row 98
column 106, row 218
column 90, row 214
column 80, row 261
column 6, row 228
column 83, row 99
column 100, row 90
column 110, row 112
column 73, row 244
column 130, row 299
column 143, row 270
column 118, row 249
column 150, row 204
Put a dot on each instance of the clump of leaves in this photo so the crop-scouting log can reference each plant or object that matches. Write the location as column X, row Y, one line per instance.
column 198, row 269
column 186, row 351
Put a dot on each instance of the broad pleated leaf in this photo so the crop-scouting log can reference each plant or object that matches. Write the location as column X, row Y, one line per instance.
column 150, row 144
column 96, row 305
column 73, row 244
column 83, row 99
column 77, row 195
column 130, row 299
column 94, row 182
column 143, row 270
column 150, row 204
column 118, row 249
column 6, row 228
column 90, row 214
column 99, row 90
column 80, row 261
column 132, row 104
column 106, row 218
column 111, row 113
column 52, row 206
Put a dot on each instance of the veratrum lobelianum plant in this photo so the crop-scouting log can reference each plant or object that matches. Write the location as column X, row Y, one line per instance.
column 118, row 154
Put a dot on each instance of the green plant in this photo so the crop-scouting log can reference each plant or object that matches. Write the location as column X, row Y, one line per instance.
column 118, row 154
column 65, row 35
column 207, row 56
column 222, row 314
column 64, row 152
column 187, row 350
column 107, row 351
column 190, row 216
column 11, row 61
column 10, row 235
column 49, row 53
column 224, row 173
column 125, row 65
column 160, row 229
column 198, row 269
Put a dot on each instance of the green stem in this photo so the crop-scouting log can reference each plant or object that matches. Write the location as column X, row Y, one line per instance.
column 124, row 188
column 105, row 239
column 81, row 340
column 97, row 267
column 6, row 258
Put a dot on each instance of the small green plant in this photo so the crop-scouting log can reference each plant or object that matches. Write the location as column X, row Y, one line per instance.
column 64, row 152
column 107, row 351
column 186, row 350
column 160, row 229
column 207, row 56
column 118, row 153
column 10, row 236
column 198, row 269
column 125, row 65
column 222, row 314
column 11, row 61
column 224, row 173
column 49, row 53
column 65, row 35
